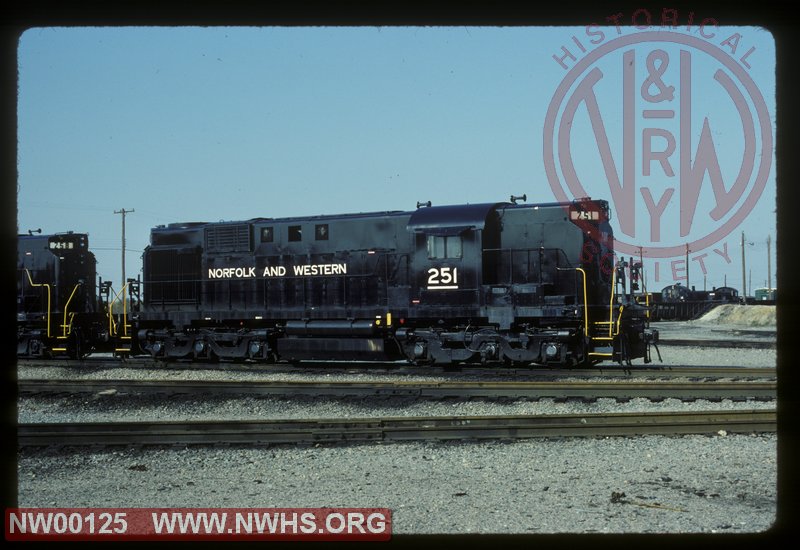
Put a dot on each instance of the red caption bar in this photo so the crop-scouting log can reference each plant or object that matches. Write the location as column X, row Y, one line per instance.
column 374, row 524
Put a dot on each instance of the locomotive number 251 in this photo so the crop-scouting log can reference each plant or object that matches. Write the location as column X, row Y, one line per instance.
column 442, row 278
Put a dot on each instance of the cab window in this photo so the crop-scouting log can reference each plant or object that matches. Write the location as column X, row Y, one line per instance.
column 444, row 246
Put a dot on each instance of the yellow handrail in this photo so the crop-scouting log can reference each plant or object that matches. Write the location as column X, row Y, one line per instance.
column 112, row 331
column 611, row 303
column 66, row 325
column 48, row 298
column 619, row 318
column 585, row 305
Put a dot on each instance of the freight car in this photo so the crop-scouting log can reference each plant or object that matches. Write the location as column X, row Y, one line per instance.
column 60, row 310
column 497, row 282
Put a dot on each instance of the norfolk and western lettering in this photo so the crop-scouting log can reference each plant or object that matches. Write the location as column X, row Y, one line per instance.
column 308, row 270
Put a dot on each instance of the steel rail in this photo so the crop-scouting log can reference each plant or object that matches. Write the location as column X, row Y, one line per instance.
column 421, row 390
column 699, row 343
column 405, row 369
column 395, row 428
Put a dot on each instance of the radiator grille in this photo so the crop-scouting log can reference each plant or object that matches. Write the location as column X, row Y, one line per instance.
column 172, row 277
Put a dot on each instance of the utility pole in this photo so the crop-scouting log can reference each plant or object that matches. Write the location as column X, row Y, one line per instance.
column 688, row 286
column 123, row 212
column 744, row 278
column 769, row 263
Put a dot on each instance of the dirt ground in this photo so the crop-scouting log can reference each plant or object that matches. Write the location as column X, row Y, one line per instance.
column 750, row 315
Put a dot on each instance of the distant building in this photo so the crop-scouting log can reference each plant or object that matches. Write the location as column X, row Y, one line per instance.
column 765, row 294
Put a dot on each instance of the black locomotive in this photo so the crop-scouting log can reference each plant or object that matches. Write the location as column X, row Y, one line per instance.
column 60, row 308
column 481, row 282
column 499, row 282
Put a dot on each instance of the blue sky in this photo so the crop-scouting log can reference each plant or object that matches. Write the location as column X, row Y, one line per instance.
column 209, row 124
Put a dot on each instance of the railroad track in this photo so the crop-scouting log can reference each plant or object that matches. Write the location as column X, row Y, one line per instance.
column 647, row 371
column 395, row 429
column 420, row 390
column 738, row 344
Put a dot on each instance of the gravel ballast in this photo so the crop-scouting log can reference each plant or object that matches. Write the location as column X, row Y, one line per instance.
column 670, row 484
column 725, row 483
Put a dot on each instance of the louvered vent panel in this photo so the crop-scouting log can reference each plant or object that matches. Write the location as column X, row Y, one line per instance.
column 228, row 238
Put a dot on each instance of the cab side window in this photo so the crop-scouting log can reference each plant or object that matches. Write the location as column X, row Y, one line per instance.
column 443, row 247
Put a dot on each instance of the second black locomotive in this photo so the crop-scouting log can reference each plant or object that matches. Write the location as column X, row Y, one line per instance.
column 61, row 308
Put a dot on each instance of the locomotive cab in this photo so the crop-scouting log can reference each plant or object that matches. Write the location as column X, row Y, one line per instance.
column 450, row 259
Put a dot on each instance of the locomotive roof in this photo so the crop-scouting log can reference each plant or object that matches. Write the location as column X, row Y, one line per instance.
column 192, row 225
column 447, row 218
column 385, row 214
column 451, row 219
column 454, row 219
column 48, row 235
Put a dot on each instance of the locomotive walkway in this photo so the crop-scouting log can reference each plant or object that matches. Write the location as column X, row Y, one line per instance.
column 395, row 429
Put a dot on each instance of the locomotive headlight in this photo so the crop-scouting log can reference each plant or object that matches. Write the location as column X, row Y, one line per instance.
column 551, row 350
